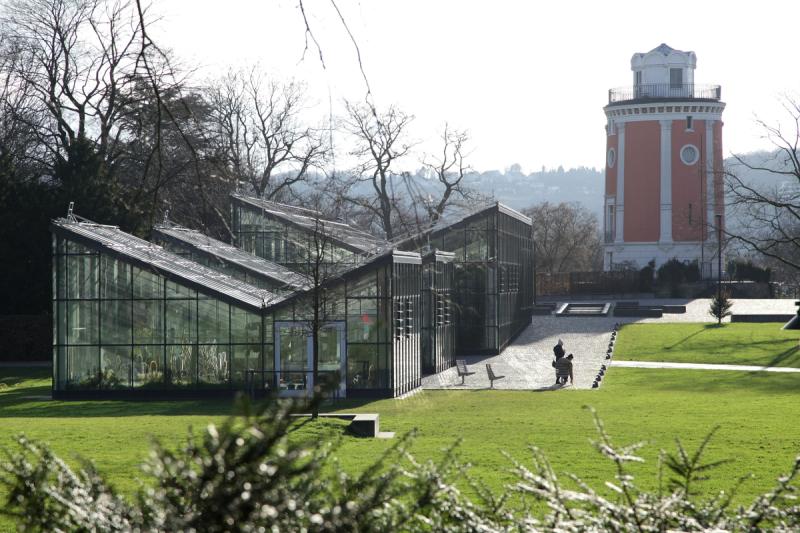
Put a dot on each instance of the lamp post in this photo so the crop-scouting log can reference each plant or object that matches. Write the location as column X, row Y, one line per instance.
column 719, row 266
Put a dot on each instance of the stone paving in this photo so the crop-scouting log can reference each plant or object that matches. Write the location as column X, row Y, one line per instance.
column 526, row 361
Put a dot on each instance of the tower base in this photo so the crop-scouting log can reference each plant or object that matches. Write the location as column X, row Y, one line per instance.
column 636, row 255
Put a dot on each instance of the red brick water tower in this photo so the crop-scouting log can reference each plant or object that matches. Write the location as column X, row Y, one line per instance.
column 664, row 183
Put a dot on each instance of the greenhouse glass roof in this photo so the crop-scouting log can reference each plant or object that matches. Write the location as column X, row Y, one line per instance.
column 341, row 233
column 227, row 253
column 112, row 240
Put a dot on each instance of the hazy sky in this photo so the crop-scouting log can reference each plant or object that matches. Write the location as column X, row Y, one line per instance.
column 527, row 79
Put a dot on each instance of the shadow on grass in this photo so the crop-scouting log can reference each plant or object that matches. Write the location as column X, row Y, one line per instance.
column 786, row 355
column 705, row 381
column 34, row 401
column 698, row 332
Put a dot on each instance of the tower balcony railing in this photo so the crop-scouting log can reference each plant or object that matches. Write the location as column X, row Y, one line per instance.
column 664, row 91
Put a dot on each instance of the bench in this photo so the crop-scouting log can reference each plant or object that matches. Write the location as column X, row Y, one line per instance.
column 463, row 371
column 361, row 424
column 492, row 376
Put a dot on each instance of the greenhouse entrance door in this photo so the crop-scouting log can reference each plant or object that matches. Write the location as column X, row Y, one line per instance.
column 294, row 358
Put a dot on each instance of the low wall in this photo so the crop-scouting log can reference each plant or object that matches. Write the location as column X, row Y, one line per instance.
column 761, row 318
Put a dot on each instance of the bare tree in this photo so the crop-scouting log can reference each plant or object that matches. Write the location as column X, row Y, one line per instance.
column 259, row 135
column 93, row 86
column 323, row 302
column 380, row 140
column 566, row 237
column 78, row 60
column 768, row 215
column 449, row 168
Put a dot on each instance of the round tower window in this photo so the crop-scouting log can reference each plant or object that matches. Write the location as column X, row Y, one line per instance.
column 611, row 158
column 690, row 154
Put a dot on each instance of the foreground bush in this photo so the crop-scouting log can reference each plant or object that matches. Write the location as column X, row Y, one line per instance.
column 248, row 476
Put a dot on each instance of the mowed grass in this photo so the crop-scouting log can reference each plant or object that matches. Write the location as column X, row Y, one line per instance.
column 756, row 412
column 732, row 344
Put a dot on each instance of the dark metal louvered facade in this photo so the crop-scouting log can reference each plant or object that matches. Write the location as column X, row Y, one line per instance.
column 437, row 343
column 493, row 278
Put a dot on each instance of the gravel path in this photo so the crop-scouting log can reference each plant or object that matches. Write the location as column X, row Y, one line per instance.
column 526, row 362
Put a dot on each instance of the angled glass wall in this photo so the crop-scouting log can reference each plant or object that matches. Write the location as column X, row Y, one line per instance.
column 234, row 262
column 376, row 307
column 123, row 326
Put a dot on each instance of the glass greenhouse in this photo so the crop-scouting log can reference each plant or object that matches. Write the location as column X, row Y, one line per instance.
column 133, row 319
column 198, row 317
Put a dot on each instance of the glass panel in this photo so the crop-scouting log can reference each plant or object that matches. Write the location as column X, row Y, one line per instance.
column 453, row 241
column 180, row 321
column 362, row 320
column 330, row 357
column 334, row 304
column 147, row 284
column 82, row 322
column 212, row 363
column 212, row 321
column 148, row 366
column 364, row 286
column 245, row 327
column 384, row 323
column 330, row 352
column 148, row 324
column 77, row 248
column 180, row 366
column 115, row 278
column 61, row 319
column 175, row 290
column 60, row 287
column 269, row 331
column 82, row 276
column 115, row 321
column 115, row 363
column 82, row 367
column 61, row 368
column 244, row 358
column 362, row 366
column 294, row 357
column 477, row 245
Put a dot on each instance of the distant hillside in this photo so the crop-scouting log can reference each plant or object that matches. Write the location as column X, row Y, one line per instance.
column 584, row 185
column 518, row 190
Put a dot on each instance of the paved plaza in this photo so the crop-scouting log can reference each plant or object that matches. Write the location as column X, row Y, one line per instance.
column 526, row 362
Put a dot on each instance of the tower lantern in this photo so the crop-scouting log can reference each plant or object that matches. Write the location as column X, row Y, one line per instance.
column 664, row 183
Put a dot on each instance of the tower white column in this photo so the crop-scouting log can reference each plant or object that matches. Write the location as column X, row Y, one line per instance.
column 665, row 235
column 620, row 203
column 709, row 170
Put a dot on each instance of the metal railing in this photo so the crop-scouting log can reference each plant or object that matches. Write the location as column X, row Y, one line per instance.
column 661, row 91
column 272, row 382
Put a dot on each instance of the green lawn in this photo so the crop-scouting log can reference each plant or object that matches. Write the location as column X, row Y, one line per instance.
column 735, row 344
column 756, row 412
